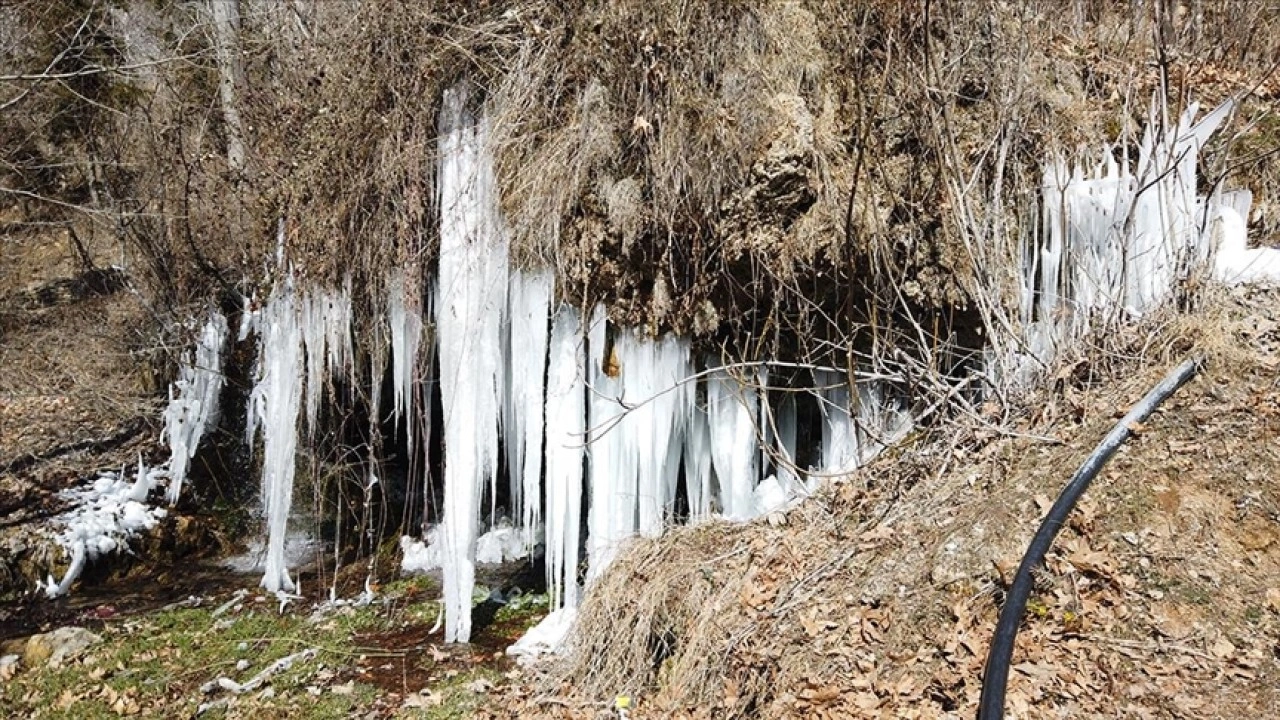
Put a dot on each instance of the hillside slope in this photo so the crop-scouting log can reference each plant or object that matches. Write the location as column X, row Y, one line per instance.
column 1161, row 598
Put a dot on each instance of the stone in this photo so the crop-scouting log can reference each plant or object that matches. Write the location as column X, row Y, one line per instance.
column 65, row 643
column 9, row 666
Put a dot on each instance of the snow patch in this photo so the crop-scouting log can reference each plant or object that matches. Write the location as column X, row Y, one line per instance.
column 545, row 638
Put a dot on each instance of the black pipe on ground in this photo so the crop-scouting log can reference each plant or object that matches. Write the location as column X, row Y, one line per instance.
column 996, row 677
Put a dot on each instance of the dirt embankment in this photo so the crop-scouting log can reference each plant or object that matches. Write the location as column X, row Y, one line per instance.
column 877, row 599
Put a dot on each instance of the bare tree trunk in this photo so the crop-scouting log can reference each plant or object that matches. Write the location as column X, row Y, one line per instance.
column 226, row 23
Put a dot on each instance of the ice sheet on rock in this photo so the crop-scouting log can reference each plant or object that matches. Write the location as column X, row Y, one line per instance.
column 566, row 431
column 545, row 638
column 104, row 515
column 528, row 316
column 300, row 548
column 471, row 297
column 193, row 401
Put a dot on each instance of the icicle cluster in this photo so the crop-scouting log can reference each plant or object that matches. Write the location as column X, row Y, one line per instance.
column 104, row 516
column 585, row 417
column 193, row 401
column 472, row 294
column 298, row 333
column 1117, row 239
column 405, row 321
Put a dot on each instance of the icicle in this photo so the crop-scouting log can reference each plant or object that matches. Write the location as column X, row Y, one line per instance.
column 733, row 416
column 193, row 402
column 527, row 319
column 697, row 462
column 471, row 296
column 274, row 407
column 839, row 437
column 406, row 334
column 565, row 434
column 785, row 443
column 608, row 520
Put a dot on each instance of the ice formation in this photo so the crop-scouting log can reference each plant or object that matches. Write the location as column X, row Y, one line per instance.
column 193, row 401
column 641, row 407
column 733, row 415
column 1235, row 262
column 273, row 407
column 405, row 321
column 300, row 335
column 472, row 294
column 501, row 544
column 113, row 509
column 1117, row 238
column 566, row 433
column 104, row 516
column 545, row 638
column 421, row 556
column 529, row 313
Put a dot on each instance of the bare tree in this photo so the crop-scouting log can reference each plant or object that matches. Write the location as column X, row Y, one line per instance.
column 226, row 23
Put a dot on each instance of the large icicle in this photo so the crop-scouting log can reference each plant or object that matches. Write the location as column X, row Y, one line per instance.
column 609, row 521
column 566, row 413
column 529, row 310
column 733, row 413
column 274, row 407
column 471, row 295
column 193, row 401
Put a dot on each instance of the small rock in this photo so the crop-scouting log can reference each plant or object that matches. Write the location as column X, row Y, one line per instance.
column 9, row 666
column 242, row 665
column 344, row 689
column 58, row 646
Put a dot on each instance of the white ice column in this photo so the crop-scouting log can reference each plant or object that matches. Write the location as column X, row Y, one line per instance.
column 566, row 428
column 471, row 296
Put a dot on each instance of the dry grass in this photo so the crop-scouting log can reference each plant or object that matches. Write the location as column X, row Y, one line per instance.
column 877, row 598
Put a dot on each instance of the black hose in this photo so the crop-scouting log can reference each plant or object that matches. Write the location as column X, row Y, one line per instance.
column 996, row 677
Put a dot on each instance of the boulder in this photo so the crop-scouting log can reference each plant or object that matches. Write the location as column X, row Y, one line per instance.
column 57, row 647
